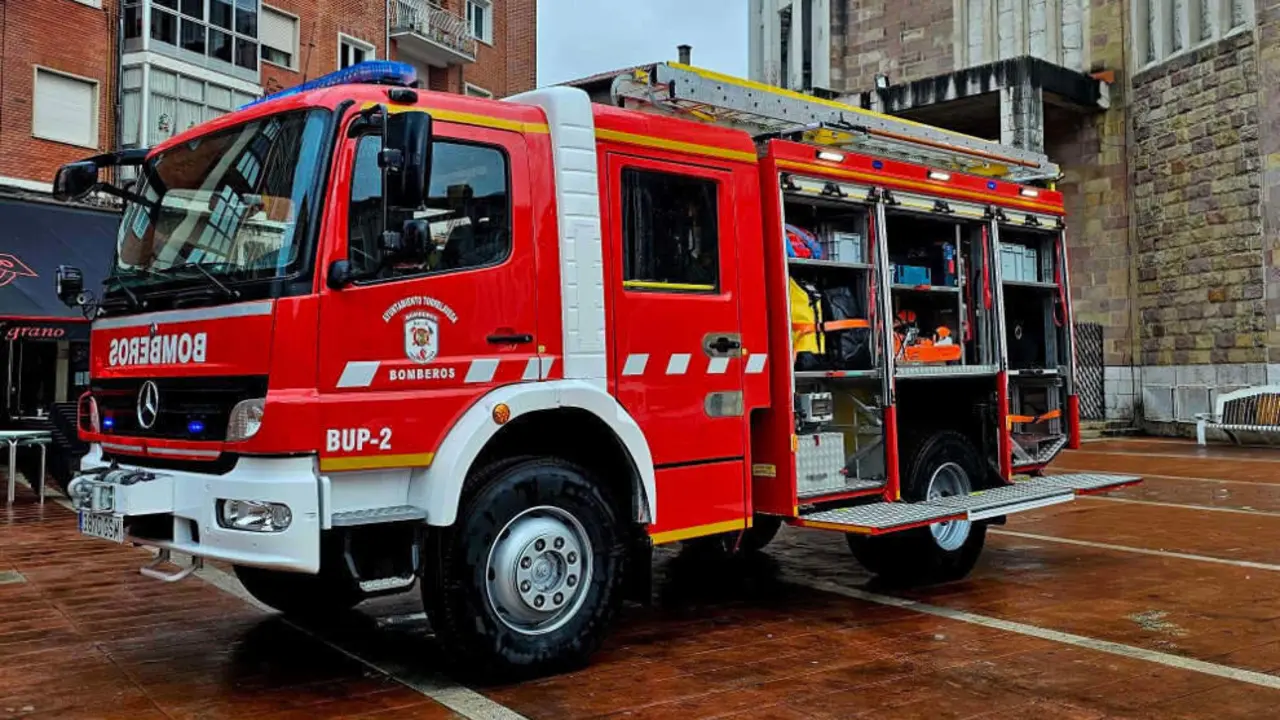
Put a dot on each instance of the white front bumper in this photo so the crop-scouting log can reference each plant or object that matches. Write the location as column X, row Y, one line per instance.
column 191, row 502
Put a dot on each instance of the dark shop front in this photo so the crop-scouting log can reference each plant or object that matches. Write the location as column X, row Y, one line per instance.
column 44, row 345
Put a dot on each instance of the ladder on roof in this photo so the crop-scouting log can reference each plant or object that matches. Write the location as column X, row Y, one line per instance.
column 764, row 110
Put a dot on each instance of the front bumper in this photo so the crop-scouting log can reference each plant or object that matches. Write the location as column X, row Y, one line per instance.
column 178, row 510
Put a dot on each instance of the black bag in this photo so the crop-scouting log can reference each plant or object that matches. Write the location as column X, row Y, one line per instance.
column 850, row 348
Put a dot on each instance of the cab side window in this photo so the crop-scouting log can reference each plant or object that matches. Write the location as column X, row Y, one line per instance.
column 468, row 208
column 670, row 233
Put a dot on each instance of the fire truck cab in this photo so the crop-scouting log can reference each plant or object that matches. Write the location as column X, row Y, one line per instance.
column 360, row 336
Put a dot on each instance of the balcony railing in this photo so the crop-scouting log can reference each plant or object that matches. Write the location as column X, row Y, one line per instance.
column 433, row 23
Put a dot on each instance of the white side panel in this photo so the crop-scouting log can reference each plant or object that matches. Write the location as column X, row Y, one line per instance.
column 366, row 489
column 438, row 488
column 573, row 139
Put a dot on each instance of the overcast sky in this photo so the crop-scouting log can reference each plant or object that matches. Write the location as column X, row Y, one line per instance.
column 600, row 35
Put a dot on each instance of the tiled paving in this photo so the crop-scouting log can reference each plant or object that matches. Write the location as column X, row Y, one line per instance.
column 1161, row 601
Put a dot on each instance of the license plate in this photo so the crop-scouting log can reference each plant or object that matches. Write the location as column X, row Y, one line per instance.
column 107, row 527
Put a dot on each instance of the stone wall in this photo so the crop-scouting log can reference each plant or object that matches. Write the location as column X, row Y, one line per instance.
column 1198, row 238
column 904, row 39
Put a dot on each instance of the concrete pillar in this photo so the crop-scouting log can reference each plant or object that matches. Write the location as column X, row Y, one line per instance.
column 1022, row 116
column 821, row 24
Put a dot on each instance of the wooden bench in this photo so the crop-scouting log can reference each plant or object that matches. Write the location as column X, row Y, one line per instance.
column 1255, row 409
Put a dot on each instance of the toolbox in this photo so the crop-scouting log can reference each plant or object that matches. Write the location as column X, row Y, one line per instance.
column 820, row 459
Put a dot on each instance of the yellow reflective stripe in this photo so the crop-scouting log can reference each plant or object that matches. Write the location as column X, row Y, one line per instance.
column 928, row 188
column 698, row 531
column 676, row 145
column 466, row 118
column 370, row 462
column 654, row 285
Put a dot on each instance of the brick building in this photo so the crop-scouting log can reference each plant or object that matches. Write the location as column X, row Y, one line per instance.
column 1165, row 118
column 80, row 77
column 133, row 72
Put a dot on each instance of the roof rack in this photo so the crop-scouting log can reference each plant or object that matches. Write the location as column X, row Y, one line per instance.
column 767, row 111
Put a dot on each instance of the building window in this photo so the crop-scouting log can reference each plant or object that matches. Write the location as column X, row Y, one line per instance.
column 477, row 91
column 468, row 210
column 1166, row 28
column 225, row 30
column 65, row 108
column 279, row 36
column 480, row 20
column 669, row 232
column 175, row 104
column 352, row 51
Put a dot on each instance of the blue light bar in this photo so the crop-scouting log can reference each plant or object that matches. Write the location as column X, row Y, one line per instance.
column 369, row 72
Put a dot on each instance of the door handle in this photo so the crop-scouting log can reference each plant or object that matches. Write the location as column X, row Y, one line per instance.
column 724, row 344
column 519, row 339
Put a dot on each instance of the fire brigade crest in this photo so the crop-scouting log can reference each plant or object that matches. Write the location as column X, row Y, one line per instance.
column 421, row 336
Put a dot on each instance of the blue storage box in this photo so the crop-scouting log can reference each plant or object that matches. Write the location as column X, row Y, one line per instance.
column 911, row 275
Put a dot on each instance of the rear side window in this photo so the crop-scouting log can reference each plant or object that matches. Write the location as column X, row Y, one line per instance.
column 469, row 209
column 669, row 232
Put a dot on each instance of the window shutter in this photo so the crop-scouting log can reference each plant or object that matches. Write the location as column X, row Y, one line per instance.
column 65, row 109
column 277, row 30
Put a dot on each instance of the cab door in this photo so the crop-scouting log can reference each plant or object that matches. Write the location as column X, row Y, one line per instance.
column 405, row 350
column 677, row 362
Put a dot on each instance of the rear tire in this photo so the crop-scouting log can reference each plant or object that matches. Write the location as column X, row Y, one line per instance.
column 529, row 578
column 945, row 464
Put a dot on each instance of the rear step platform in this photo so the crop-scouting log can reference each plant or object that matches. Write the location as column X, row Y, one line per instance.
column 884, row 517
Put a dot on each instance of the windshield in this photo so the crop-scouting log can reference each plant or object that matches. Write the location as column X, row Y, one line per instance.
column 236, row 204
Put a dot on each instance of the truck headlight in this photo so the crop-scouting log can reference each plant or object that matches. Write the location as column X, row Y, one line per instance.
column 254, row 515
column 246, row 419
column 89, row 420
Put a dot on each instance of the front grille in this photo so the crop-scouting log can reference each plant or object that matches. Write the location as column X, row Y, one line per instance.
column 190, row 408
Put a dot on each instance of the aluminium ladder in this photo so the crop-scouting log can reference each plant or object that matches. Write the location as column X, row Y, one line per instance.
column 764, row 110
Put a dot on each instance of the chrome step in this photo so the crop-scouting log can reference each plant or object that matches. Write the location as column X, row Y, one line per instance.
column 1043, row 453
column 883, row 517
column 373, row 516
column 378, row 585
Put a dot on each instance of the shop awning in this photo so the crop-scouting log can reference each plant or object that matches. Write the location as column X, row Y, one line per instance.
column 37, row 237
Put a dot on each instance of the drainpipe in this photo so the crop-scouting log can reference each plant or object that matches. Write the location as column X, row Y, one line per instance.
column 387, row 34
column 117, row 109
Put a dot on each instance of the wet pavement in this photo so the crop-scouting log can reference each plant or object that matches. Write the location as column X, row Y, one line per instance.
column 1158, row 601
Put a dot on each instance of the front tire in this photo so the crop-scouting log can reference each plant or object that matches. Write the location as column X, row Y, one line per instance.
column 944, row 465
column 529, row 578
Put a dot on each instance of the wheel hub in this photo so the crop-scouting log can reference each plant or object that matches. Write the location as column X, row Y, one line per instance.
column 537, row 570
column 948, row 480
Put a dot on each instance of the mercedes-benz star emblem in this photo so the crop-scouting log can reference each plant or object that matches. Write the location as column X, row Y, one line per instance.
column 154, row 329
column 148, row 405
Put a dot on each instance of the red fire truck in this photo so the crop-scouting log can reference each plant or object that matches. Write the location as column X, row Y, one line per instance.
column 359, row 336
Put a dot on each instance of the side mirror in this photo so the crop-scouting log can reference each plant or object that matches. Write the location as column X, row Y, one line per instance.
column 406, row 158
column 75, row 180
column 69, row 283
column 340, row 274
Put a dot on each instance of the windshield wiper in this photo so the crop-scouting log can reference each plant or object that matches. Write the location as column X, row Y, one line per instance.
column 213, row 279
column 114, row 280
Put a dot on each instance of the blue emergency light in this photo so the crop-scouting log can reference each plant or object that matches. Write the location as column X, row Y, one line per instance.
column 369, row 72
